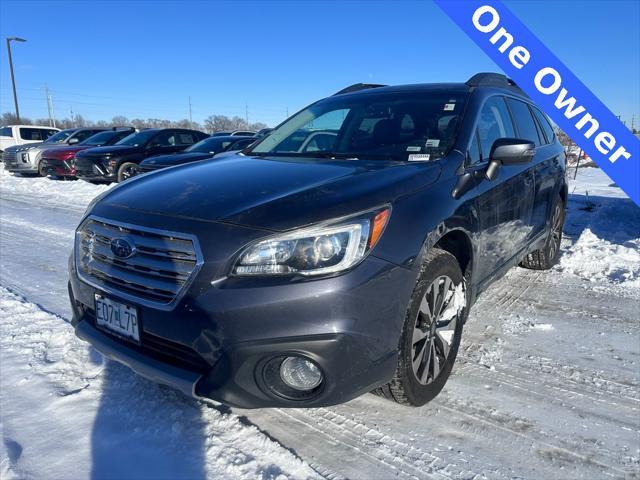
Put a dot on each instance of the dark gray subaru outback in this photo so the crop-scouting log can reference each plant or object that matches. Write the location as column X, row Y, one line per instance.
column 338, row 255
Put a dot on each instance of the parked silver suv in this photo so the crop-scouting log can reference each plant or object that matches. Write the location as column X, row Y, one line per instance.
column 27, row 158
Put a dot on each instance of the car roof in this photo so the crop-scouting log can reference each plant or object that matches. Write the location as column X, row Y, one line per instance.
column 490, row 82
column 43, row 127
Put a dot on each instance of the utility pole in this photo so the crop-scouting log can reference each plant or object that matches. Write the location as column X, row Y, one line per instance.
column 53, row 113
column 13, row 80
column 246, row 113
column 71, row 111
column 190, row 116
column 48, row 99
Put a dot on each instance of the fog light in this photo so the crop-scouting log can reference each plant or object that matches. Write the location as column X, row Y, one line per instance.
column 300, row 374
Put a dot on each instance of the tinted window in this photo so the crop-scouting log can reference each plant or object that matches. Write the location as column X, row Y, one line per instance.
column 6, row 132
column 524, row 121
column 544, row 123
column 85, row 134
column 60, row 137
column 106, row 138
column 138, row 139
column 372, row 126
column 494, row 123
column 39, row 134
column 186, row 138
column 164, row 139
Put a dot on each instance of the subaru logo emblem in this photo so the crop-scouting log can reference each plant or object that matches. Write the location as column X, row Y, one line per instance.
column 122, row 248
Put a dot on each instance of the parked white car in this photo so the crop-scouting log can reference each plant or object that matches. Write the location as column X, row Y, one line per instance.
column 22, row 134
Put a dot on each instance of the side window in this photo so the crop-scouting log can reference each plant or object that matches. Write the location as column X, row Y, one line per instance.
column 5, row 132
column 494, row 123
column 165, row 139
column 524, row 121
column 185, row 138
column 32, row 134
column 544, row 123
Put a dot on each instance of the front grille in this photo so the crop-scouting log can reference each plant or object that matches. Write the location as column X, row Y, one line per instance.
column 10, row 158
column 158, row 271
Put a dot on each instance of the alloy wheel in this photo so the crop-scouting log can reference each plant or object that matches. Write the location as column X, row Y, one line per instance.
column 556, row 231
column 433, row 332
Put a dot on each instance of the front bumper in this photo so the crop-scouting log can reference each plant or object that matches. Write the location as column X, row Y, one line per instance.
column 59, row 168
column 94, row 170
column 216, row 341
column 20, row 162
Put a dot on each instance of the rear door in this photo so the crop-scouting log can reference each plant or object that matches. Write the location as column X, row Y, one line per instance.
column 540, row 166
column 503, row 205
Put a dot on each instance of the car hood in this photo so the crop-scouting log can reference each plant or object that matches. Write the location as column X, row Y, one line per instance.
column 176, row 159
column 67, row 148
column 273, row 193
column 112, row 150
column 25, row 146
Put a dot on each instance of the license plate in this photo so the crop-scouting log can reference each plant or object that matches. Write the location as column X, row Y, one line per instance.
column 117, row 317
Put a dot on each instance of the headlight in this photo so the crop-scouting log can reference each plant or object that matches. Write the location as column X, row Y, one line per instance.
column 327, row 248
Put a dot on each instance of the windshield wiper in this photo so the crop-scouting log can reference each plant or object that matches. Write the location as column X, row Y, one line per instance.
column 343, row 156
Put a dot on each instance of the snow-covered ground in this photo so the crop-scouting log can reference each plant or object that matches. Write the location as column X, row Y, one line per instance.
column 547, row 384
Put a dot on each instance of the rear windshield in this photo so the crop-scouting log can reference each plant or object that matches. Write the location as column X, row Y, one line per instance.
column 395, row 125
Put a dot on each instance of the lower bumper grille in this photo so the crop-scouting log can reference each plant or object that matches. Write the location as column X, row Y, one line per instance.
column 159, row 349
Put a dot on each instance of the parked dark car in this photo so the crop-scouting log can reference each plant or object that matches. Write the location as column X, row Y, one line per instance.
column 27, row 159
column 299, row 279
column 119, row 162
column 206, row 148
column 60, row 161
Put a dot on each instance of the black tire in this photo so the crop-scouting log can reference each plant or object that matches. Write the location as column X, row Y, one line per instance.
column 41, row 171
column 127, row 170
column 547, row 257
column 405, row 387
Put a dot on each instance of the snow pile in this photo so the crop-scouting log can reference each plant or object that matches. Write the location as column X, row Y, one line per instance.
column 602, row 232
column 53, row 192
column 128, row 427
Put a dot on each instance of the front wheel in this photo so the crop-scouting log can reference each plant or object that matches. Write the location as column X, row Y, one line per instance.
column 431, row 334
column 126, row 171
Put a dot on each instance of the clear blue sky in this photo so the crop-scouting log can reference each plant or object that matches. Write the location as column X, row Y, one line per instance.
column 145, row 58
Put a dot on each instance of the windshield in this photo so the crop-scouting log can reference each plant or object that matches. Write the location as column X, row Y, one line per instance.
column 102, row 138
column 138, row 139
column 209, row 145
column 60, row 136
column 394, row 125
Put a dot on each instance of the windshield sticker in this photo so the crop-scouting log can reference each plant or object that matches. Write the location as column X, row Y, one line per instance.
column 432, row 142
column 449, row 106
column 419, row 157
column 414, row 148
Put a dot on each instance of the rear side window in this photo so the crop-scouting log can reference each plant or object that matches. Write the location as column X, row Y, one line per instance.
column 5, row 132
column 544, row 123
column 525, row 123
column 494, row 123
column 38, row 134
column 186, row 138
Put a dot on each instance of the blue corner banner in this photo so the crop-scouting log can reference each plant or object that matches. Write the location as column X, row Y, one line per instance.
column 550, row 84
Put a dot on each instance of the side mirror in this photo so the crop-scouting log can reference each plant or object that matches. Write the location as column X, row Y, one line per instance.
column 73, row 141
column 509, row 151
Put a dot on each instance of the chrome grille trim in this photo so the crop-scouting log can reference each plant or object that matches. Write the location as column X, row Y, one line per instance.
column 158, row 275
